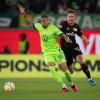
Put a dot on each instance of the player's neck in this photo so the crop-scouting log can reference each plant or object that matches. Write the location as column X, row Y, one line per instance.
column 46, row 26
column 71, row 24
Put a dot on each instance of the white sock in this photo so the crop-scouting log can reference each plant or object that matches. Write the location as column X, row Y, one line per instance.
column 71, row 84
column 90, row 78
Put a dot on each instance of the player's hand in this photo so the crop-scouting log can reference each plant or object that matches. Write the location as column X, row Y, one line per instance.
column 87, row 42
column 68, row 39
column 21, row 9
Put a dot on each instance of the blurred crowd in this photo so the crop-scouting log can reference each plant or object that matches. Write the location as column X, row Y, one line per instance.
column 9, row 18
column 55, row 6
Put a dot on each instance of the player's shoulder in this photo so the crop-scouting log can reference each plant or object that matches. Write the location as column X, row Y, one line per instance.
column 38, row 24
column 76, row 25
column 63, row 22
column 53, row 26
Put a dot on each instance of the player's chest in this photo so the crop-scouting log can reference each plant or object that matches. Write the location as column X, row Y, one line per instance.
column 46, row 32
column 70, row 31
column 46, row 35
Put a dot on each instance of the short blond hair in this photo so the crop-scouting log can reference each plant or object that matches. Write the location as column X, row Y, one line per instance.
column 71, row 11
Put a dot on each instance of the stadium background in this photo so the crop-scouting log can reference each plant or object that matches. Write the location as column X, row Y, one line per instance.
column 28, row 71
column 12, row 24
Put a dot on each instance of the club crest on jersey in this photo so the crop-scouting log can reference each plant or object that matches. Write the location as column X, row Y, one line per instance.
column 75, row 29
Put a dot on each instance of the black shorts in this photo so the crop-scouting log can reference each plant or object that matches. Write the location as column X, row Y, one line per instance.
column 71, row 52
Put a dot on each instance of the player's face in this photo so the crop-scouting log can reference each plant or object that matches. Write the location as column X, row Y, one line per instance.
column 71, row 17
column 45, row 22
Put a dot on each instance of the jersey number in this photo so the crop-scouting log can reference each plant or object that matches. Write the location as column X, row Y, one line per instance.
column 45, row 38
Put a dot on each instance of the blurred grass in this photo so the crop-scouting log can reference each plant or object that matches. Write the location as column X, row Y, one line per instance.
column 48, row 89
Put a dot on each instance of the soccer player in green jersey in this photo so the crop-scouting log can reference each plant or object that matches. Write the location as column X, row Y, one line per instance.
column 51, row 50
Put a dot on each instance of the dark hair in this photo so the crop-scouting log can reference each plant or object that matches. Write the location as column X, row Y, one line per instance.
column 71, row 11
column 44, row 16
column 20, row 2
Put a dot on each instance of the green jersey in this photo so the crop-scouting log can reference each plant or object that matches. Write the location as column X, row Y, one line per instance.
column 48, row 37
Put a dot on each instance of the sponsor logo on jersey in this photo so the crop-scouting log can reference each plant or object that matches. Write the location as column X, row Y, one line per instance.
column 75, row 29
column 70, row 34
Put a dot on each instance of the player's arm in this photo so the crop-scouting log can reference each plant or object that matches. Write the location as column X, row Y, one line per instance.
column 82, row 36
column 84, row 39
column 23, row 12
column 62, row 35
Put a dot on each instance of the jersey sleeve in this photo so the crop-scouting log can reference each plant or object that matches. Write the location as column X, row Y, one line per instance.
column 57, row 31
column 36, row 26
column 79, row 32
column 61, row 26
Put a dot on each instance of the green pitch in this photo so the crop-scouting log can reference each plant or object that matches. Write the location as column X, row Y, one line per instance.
column 48, row 89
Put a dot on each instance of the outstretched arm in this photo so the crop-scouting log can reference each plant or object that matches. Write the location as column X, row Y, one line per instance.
column 23, row 12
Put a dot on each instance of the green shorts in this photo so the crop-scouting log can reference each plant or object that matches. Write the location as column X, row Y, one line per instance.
column 57, row 56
